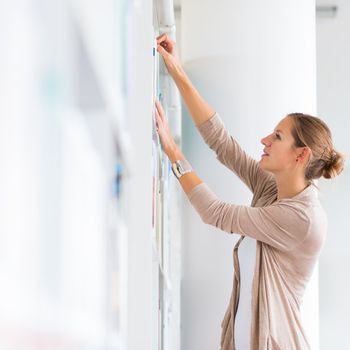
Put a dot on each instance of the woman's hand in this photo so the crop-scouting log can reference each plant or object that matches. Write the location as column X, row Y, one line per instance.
column 168, row 143
column 167, row 49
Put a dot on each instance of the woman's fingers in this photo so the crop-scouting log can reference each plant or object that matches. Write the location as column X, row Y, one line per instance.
column 159, row 115
column 160, row 110
column 163, row 130
column 164, row 53
column 166, row 43
column 156, row 110
column 162, row 38
column 157, row 118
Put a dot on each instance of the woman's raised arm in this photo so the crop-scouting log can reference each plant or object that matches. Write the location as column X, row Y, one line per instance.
column 199, row 109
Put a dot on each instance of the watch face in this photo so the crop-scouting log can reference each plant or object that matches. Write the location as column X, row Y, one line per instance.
column 175, row 170
column 180, row 168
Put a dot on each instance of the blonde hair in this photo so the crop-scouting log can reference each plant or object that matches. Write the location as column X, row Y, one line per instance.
column 312, row 132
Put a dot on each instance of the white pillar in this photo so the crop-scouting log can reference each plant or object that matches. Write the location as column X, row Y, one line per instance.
column 254, row 62
column 333, row 86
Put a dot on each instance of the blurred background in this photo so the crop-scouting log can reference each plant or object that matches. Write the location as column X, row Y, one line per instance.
column 99, row 247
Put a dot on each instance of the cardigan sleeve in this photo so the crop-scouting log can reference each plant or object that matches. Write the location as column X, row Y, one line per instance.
column 283, row 225
column 229, row 153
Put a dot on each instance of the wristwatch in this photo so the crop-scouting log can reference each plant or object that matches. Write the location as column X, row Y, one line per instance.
column 181, row 167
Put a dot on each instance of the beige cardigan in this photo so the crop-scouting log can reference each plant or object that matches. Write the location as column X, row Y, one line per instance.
column 289, row 233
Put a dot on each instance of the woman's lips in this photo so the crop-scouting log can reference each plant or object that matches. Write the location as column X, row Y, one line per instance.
column 265, row 154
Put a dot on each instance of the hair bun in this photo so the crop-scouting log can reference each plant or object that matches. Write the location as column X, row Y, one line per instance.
column 334, row 166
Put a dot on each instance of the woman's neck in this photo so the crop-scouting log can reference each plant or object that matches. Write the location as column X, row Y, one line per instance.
column 289, row 187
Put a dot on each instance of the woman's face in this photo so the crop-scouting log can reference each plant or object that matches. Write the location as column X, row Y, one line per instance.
column 280, row 154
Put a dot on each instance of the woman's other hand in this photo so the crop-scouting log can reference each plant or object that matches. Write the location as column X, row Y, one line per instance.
column 166, row 138
column 167, row 49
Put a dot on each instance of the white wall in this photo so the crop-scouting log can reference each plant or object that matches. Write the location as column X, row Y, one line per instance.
column 254, row 62
column 333, row 96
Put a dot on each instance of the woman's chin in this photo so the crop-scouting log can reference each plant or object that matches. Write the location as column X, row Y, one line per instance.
column 262, row 164
column 265, row 167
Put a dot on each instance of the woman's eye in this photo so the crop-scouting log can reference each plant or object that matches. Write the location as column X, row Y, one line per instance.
column 278, row 136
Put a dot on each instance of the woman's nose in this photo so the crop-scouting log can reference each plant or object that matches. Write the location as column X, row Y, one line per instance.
column 263, row 140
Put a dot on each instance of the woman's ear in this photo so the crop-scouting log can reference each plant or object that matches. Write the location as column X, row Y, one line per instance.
column 303, row 154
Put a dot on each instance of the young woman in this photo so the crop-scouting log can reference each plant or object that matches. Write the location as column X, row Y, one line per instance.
column 285, row 217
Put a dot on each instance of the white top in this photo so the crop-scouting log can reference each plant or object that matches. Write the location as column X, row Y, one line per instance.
column 246, row 256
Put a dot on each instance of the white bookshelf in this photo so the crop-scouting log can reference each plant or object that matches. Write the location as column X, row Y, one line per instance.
column 167, row 234
column 64, row 274
column 100, row 29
